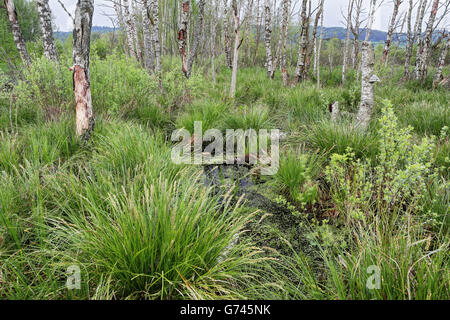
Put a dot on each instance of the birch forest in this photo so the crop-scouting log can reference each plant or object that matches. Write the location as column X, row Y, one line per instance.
column 224, row 150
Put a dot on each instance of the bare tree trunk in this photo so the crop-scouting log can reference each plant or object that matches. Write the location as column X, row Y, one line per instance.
column 371, row 18
column 410, row 43
column 387, row 46
column 356, row 33
column 319, row 49
column 130, row 31
column 182, row 35
column 81, row 76
column 154, row 21
column 367, row 89
column 237, row 44
column 284, row 35
column 268, row 39
column 441, row 63
column 300, row 74
column 119, row 12
column 226, row 34
column 136, row 25
column 214, row 23
column 347, row 39
column 422, row 63
column 419, row 20
column 198, row 33
column 258, row 30
column 418, row 31
column 45, row 19
column 17, row 33
column 148, row 52
column 312, row 44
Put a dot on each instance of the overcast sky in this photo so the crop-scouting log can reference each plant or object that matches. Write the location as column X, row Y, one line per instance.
column 333, row 16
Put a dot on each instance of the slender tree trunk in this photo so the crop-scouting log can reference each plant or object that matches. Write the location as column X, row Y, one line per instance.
column 119, row 12
column 371, row 18
column 182, row 35
column 237, row 44
column 136, row 25
column 17, row 33
column 319, row 49
column 300, row 71
column 197, row 36
column 312, row 44
column 45, row 19
column 356, row 33
column 284, row 35
column 419, row 36
column 347, row 39
column 81, row 76
column 214, row 23
column 367, row 89
column 419, row 21
column 226, row 34
column 258, row 30
column 268, row 39
column 387, row 46
column 154, row 21
column 148, row 52
column 130, row 31
column 422, row 64
column 410, row 43
column 441, row 63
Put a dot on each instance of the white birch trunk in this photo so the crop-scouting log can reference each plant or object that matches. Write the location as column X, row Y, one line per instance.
column 387, row 46
column 268, row 39
column 441, row 63
column 237, row 44
column 45, row 19
column 367, row 89
column 347, row 40
column 17, row 32
column 301, row 61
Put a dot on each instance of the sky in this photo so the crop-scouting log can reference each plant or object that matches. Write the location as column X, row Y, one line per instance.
column 333, row 16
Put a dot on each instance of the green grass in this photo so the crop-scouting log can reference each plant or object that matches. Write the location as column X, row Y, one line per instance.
column 141, row 227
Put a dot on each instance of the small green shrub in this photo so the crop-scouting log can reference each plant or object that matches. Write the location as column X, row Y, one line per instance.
column 296, row 177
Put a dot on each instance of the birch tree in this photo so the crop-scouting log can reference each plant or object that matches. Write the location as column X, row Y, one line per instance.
column 356, row 31
column 237, row 44
column 370, row 19
column 130, row 30
column 367, row 86
column 197, row 36
column 422, row 63
column 148, row 52
column 347, row 39
column 441, row 63
column 284, row 35
column 226, row 34
column 319, row 49
column 312, row 43
column 268, row 39
column 45, row 19
column 154, row 22
column 300, row 71
column 410, row 43
column 81, row 75
column 182, row 35
column 387, row 46
column 17, row 32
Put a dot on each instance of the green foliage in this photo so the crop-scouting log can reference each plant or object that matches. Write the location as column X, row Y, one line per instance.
column 425, row 117
column 296, row 177
column 331, row 137
column 399, row 178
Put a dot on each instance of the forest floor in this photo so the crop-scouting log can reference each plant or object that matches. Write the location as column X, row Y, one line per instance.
column 350, row 214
